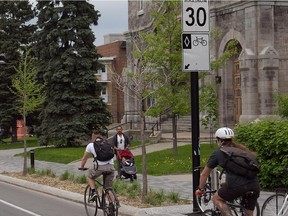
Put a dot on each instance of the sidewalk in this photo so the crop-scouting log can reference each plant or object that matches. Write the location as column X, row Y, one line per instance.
column 176, row 183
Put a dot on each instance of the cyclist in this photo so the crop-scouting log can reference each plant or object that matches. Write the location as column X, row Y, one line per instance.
column 235, row 185
column 105, row 168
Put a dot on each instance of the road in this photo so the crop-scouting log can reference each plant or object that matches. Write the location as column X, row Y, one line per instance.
column 18, row 201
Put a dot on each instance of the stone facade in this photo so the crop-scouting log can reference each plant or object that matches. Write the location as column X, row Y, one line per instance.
column 262, row 65
column 259, row 27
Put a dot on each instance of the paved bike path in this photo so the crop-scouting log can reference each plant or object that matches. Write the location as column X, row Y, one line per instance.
column 176, row 183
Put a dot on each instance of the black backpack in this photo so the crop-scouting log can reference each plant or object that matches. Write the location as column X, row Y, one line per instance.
column 104, row 150
column 240, row 162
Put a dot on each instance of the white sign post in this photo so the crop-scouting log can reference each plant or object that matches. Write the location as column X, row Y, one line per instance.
column 195, row 47
column 196, row 52
column 195, row 16
column 196, row 57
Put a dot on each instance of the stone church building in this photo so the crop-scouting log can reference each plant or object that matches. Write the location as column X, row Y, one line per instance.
column 246, row 85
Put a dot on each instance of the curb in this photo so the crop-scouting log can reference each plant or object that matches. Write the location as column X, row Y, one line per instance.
column 124, row 210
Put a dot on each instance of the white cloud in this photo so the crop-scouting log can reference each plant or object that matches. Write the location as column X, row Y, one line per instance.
column 114, row 18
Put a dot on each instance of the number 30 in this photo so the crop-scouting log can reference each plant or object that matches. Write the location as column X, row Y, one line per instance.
column 192, row 14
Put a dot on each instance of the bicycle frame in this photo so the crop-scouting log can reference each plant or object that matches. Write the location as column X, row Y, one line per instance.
column 236, row 208
column 207, row 206
column 284, row 207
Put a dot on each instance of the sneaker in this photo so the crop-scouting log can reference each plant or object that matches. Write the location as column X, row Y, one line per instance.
column 93, row 197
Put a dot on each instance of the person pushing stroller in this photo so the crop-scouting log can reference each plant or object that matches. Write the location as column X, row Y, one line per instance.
column 120, row 142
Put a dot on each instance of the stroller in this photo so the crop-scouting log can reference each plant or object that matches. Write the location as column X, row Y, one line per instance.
column 127, row 165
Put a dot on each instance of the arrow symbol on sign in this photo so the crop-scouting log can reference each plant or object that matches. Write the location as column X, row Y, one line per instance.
column 187, row 66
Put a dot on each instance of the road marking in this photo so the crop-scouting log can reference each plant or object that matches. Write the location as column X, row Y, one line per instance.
column 19, row 208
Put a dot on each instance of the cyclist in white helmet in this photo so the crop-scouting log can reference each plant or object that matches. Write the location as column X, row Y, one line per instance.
column 235, row 185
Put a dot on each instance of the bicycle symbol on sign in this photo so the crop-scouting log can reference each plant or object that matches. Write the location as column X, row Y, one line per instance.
column 199, row 40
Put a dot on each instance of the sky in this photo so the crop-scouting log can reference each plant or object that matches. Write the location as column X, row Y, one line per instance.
column 114, row 18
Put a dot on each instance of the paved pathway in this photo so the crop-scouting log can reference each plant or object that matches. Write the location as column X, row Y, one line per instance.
column 176, row 183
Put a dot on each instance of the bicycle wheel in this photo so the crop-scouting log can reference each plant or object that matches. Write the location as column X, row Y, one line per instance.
column 205, row 201
column 90, row 207
column 110, row 203
column 272, row 205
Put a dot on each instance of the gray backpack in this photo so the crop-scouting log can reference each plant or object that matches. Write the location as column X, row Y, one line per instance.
column 240, row 162
column 103, row 149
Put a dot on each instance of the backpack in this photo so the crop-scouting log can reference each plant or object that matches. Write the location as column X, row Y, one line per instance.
column 104, row 150
column 240, row 162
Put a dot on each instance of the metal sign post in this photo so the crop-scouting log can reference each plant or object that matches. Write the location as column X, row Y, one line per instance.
column 194, row 85
column 196, row 57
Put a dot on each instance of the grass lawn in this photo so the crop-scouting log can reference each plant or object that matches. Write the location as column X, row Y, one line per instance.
column 158, row 163
column 164, row 163
column 31, row 142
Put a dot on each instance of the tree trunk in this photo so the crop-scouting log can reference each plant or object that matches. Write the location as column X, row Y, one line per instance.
column 25, row 169
column 174, row 131
column 144, row 166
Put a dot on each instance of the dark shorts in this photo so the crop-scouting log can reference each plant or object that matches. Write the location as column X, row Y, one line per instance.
column 231, row 193
column 106, row 170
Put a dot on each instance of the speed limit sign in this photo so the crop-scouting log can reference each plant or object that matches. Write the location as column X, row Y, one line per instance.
column 195, row 16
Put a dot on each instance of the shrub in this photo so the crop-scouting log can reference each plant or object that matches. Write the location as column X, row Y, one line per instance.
column 46, row 172
column 268, row 138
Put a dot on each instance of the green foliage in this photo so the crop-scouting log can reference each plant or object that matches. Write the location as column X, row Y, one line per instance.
column 154, row 197
column 15, row 32
column 282, row 108
column 131, row 190
column 173, row 197
column 208, row 100
column 28, row 91
column 67, row 63
column 42, row 172
column 230, row 51
column 208, row 103
column 269, row 139
column 79, row 179
column 64, row 176
column 168, row 164
column 31, row 142
column 59, row 155
column 164, row 52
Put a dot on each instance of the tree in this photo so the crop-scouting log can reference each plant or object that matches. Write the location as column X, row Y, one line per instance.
column 282, row 101
column 67, row 64
column 29, row 93
column 14, row 32
column 137, row 81
column 170, row 89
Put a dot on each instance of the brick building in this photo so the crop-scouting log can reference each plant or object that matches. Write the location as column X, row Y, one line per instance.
column 114, row 60
column 246, row 84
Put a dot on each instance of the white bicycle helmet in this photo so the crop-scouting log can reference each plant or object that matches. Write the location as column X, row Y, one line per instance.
column 224, row 133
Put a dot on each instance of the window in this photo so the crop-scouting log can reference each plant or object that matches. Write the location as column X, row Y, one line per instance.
column 140, row 7
column 104, row 94
column 101, row 70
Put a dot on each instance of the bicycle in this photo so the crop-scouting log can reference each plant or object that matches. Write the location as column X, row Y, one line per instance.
column 199, row 40
column 106, row 200
column 276, row 204
column 207, row 207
